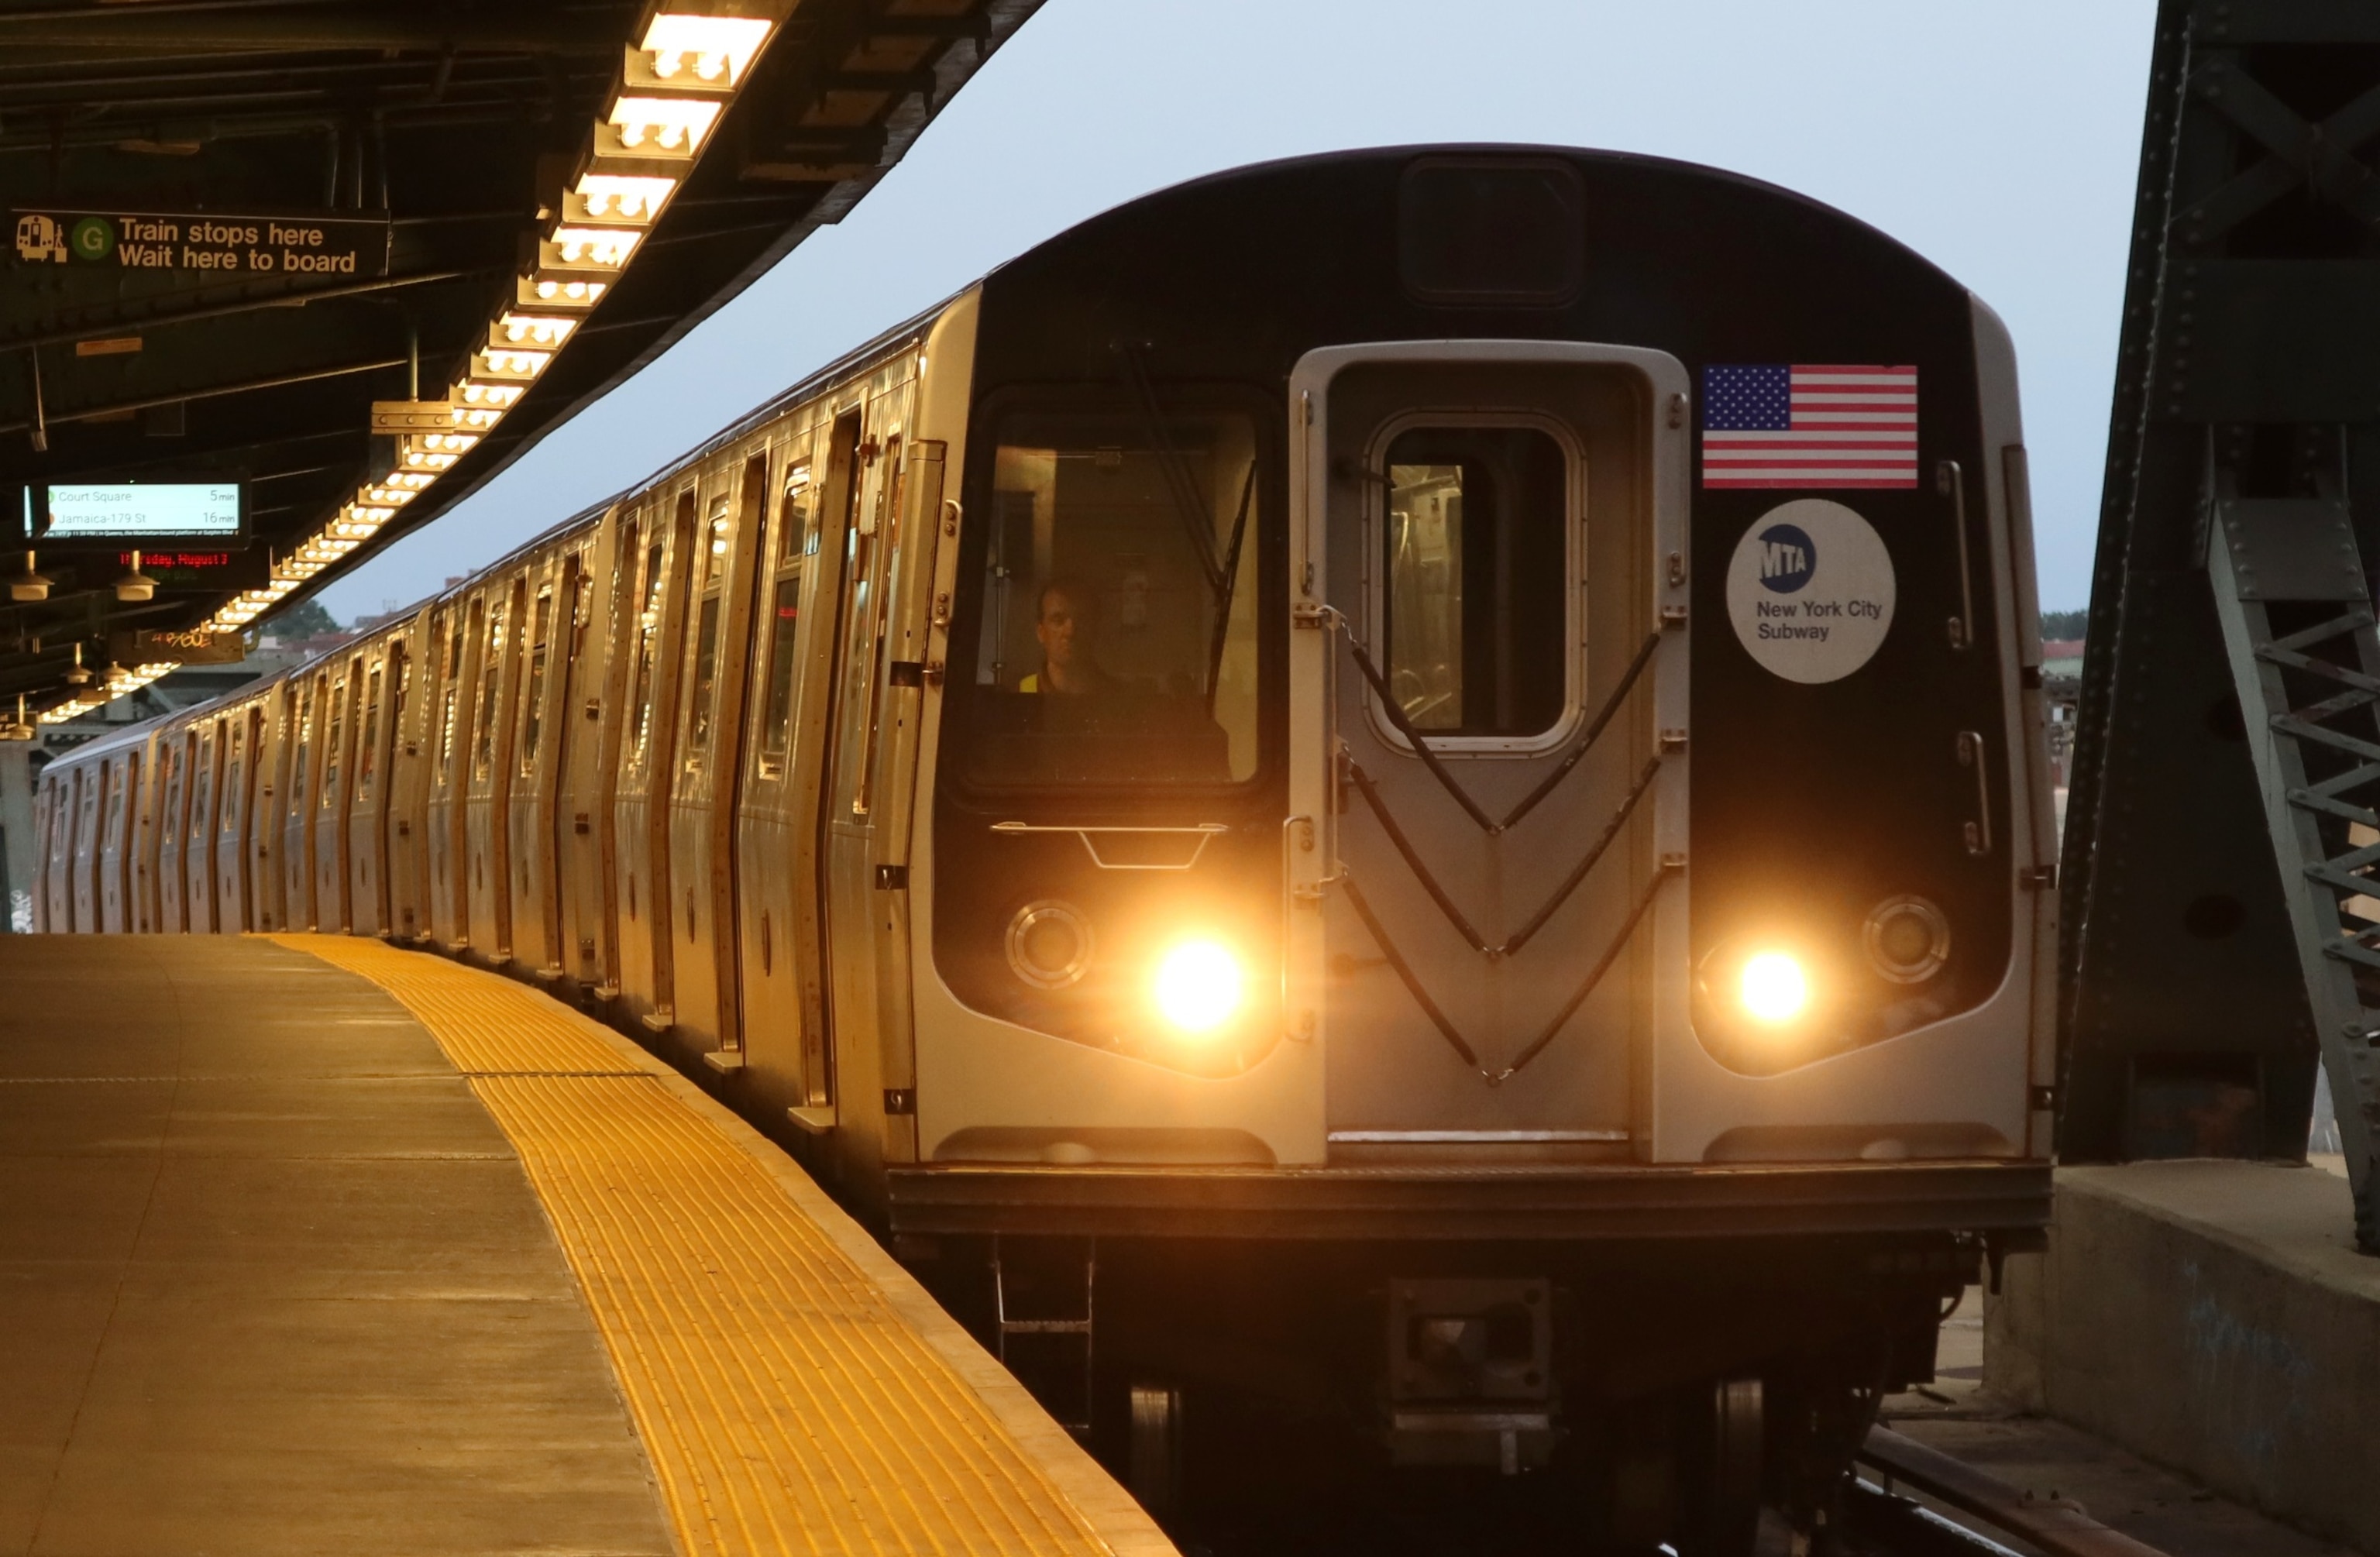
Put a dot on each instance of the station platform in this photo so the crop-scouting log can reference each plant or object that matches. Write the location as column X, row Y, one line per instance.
column 2212, row 1316
column 307, row 1244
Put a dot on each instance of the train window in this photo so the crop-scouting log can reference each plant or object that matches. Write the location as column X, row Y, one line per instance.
column 1490, row 232
column 302, row 750
column 533, row 717
column 794, row 540
column 446, row 642
column 368, row 735
column 201, row 822
column 484, row 751
column 1476, row 605
column 880, row 551
column 704, row 712
column 235, row 765
column 1118, row 602
column 334, row 747
column 648, row 628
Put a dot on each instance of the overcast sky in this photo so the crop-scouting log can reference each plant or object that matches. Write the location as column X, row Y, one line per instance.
column 1999, row 138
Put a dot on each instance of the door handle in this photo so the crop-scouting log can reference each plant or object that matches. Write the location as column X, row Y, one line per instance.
column 1978, row 833
column 1951, row 482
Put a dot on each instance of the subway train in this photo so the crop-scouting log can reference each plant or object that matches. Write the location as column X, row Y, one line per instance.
column 1404, row 785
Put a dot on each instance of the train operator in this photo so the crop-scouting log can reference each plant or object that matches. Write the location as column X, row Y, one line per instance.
column 1068, row 627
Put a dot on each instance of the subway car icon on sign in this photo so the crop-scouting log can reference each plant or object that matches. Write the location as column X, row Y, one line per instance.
column 40, row 239
column 1787, row 558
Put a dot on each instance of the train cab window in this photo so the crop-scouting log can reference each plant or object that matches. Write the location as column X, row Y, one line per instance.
column 483, row 740
column 713, row 561
column 1475, row 567
column 1118, row 604
column 793, row 542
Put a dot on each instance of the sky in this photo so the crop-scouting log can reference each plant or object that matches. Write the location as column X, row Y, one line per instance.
column 1998, row 137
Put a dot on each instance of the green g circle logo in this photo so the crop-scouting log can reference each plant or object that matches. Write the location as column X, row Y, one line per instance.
column 94, row 237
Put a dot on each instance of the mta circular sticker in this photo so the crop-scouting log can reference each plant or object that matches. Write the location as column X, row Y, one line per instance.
column 94, row 237
column 1811, row 590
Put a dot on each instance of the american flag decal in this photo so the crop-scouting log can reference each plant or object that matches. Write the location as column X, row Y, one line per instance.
column 1809, row 425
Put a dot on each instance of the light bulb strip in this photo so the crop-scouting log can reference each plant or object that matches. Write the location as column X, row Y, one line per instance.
column 674, row 88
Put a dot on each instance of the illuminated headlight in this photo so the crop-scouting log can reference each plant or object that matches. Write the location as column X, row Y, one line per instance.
column 1198, row 985
column 1772, row 988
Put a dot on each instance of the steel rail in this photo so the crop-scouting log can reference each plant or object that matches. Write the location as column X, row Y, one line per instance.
column 2062, row 1529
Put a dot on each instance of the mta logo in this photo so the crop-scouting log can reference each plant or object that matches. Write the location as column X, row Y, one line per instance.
column 1787, row 558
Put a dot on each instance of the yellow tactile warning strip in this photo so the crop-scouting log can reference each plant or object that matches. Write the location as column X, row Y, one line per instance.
column 789, row 1403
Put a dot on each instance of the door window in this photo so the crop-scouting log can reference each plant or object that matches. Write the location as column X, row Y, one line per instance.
column 793, row 541
column 1476, row 567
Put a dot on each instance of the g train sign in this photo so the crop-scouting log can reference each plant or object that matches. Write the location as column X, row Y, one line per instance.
column 304, row 244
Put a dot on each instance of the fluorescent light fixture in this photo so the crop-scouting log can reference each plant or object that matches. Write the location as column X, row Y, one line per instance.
column 621, row 197
column 567, row 294
column 705, row 51
column 667, row 125
column 606, row 246
column 531, row 330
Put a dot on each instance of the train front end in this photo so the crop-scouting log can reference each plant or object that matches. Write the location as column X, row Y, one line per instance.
column 1487, row 861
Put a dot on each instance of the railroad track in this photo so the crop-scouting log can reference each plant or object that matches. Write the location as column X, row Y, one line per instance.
column 1885, row 1521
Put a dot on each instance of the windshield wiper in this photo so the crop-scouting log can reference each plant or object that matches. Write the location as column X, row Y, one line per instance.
column 1230, row 585
column 1178, row 480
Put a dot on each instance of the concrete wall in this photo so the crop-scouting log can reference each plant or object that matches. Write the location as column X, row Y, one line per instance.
column 2215, row 1317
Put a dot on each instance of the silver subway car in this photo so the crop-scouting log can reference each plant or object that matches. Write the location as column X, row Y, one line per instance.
column 1399, row 788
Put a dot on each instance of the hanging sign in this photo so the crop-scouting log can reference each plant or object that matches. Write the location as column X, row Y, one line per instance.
column 305, row 247
column 193, row 646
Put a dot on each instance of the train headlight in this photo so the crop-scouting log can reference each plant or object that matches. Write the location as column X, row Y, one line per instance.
column 1198, row 985
column 1050, row 944
column 1908, row 939
column 1773, row 988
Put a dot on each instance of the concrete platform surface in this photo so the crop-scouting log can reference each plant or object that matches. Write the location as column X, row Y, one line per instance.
column 394, row 1256
column 2212, row 1316
column 270, row 1279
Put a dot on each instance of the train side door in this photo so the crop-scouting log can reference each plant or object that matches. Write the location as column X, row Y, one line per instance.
column 329, row 809
column 879, row 549
column 265, row 885
column 538, row 753
column 367, row 849
column 231, row 823
column 199, row 853
column 587, row 710
column 449, row 776
column 647, row 942
column 704, row 778
column 172, row 832
column 305, row 766
column 117, row 879
column 784, row 1017
column 58, row 873
column 403, row 871
column 817, row 741
column 1474, row 687
column 89, row 845
column 106, row 899
column 487, row 892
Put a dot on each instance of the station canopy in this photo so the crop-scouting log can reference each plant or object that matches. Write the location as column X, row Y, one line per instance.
column 288, row 278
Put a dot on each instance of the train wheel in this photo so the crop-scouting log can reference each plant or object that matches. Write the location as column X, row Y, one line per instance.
column 1154, row 1472
column 1721, row 1516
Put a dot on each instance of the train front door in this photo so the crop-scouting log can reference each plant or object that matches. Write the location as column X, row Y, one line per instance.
column 1480, row 682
